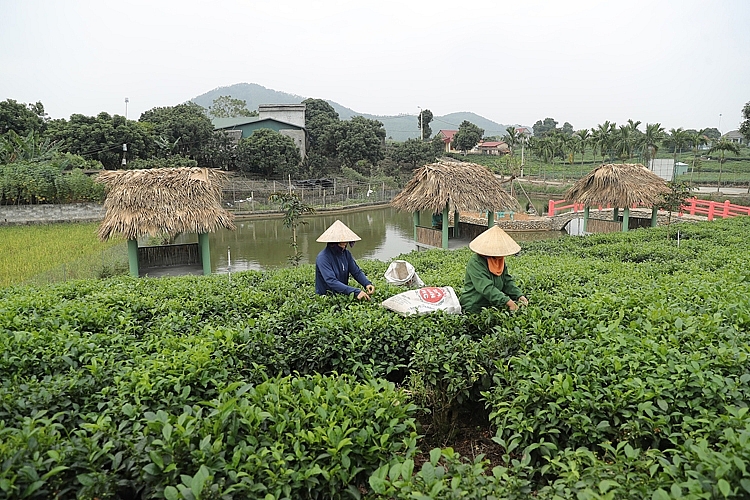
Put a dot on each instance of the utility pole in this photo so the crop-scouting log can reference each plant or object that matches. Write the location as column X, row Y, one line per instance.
column 126, row 107
column 719, row 125
column 421, row 127
column 124, row 152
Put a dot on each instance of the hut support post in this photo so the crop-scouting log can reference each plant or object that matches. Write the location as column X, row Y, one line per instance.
column 625, row 219
column 133, row 257
column 456, row 232
column 416, row 223
column 490, row 218
column 615, row 213
column 205, row 253
column 445, row 227
column 654, row 216
column 585, row 218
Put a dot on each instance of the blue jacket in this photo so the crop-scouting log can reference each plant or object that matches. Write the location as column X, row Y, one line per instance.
column 332, row 269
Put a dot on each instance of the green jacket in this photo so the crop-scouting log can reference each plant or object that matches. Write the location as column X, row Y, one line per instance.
column 484, row 289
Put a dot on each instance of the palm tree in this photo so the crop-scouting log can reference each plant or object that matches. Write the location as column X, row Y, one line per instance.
column 677, row 139
column 604, row 137
column 584, row 137
column 723, row 145
column 512, row 138
column 651, row 140
column 634, row 136
column 599, row 138
column 696, row 139
column 623, row 142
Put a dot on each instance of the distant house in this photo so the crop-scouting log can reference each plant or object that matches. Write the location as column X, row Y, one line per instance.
column 287, row 119
column 495, row 148
column 447, row 137
column 524, row 131
column 734, row 136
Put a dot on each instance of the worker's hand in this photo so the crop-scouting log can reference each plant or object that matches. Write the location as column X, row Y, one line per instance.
column 512, row 305
column 523, row 300
column 362, row 295
column 370, row 289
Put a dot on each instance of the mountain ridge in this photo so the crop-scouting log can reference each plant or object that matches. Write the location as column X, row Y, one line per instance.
column 399, row 127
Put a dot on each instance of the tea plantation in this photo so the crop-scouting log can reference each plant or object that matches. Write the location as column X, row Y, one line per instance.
column 627, row 376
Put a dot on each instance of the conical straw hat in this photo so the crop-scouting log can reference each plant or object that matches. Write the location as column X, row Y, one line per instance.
column 338, row 233
column 494, row 242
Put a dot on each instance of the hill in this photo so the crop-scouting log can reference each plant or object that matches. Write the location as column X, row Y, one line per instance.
column 398, row 128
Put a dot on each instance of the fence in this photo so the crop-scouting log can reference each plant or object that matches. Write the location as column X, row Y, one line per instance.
column 556, row 207
column 252, row 195
column 711, row 209
column 692, row 206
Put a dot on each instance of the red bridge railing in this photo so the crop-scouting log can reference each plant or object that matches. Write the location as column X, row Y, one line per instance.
column 711, row 209
column 692, row 206
column 555, row 207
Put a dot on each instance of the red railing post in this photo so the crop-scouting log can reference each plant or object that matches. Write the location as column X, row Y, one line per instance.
column 693, row 203
column 711, row 207
column 551, row 208
column 725, row 214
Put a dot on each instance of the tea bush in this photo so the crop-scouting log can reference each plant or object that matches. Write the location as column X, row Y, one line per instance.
column 625, row 377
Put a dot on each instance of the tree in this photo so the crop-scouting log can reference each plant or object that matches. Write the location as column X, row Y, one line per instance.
column 542, row 128
column 423, row 121
column 652, row 139
column 745, row 125
column 677, row 139
column 626, row 139
column 360, row 139
column 567, row 129
column 601, row 137
column 14, row 148
column 101, row 137
column 293, row 209
column 723, row 146
column 221, row 151
column 673, row 200
column 320, row 120
column 696, row 140
column 583, row 139
column 21, row 118
column 185, row 125
column 512, row 137
column 467, row 137
column 712, row 133
column 414, row 152
column 228, row 107
column 268, row 153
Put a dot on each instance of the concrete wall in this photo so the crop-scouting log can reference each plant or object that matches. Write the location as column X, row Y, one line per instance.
column 42, row 214
column 298, row 136
column 290, row 113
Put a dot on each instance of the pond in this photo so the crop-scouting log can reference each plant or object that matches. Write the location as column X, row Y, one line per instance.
column 265, row 243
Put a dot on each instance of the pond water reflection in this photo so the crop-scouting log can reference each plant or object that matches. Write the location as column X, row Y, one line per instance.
column 265, row 243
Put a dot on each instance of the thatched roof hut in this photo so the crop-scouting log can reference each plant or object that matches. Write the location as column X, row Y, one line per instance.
column 163, row 201
column 618, row 185
column 465, row 187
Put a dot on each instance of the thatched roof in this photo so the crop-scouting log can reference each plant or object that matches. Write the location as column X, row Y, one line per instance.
column 163, row 201
column 467, row 187
column 618, row 185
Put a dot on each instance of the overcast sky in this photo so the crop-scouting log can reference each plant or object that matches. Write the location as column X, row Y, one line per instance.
column 681, row 63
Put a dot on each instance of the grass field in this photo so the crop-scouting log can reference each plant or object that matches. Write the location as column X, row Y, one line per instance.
column 42, row 252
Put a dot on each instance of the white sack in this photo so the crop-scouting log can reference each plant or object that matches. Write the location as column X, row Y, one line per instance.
column 400, row 272
column 424, row 301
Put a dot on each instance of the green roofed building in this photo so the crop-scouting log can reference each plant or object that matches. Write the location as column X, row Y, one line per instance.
column 287, row 119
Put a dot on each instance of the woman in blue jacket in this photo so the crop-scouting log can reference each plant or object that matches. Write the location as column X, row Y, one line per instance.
column 335, row 264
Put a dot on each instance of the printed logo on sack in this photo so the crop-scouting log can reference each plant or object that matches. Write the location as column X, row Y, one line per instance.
column 432, row 295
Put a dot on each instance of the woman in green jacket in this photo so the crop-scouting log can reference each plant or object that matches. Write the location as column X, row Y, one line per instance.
column 487, row 282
